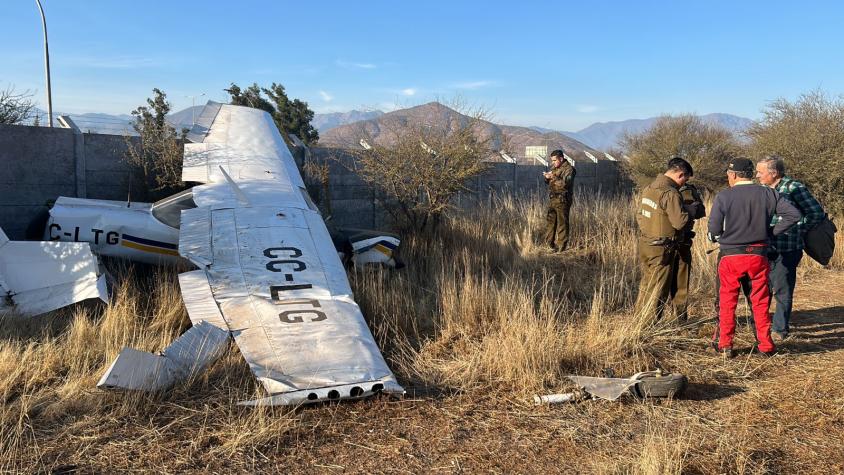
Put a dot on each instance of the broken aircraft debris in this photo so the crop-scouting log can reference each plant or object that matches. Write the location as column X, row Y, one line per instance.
column 644, row 384
column 37, row 277
column 268, row 275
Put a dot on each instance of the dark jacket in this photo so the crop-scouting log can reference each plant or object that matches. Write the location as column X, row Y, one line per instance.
column 742, row 215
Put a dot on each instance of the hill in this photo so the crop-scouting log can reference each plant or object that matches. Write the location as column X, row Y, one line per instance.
column 324, row 122
column 606, row 135
column 382, row 130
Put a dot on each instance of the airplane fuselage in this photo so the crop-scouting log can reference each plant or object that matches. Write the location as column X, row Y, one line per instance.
column 139, row 231
column 114, row 229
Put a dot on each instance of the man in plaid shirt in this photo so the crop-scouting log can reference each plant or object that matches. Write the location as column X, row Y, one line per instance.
column 787, row 248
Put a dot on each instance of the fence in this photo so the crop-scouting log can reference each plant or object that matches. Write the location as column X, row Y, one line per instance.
column 353, row 203
column 42, row 163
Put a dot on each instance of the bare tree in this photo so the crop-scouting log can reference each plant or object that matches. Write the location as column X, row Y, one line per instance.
column 707, row 147
column 15, row 108
column 420, row 165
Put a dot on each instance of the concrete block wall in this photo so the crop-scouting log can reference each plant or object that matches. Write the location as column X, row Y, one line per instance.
column 107, row 174
column 38, row 164
column 354, row 203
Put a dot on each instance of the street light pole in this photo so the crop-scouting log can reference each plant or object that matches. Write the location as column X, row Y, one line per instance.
column 46, row 64
column 193, row 108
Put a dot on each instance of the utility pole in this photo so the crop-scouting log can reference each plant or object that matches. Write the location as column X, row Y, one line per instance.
column 193, row 108
column 46, row 64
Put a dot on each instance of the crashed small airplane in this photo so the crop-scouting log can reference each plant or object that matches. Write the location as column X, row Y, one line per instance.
column 37, row 277
column 149, row 232
column 269, row 274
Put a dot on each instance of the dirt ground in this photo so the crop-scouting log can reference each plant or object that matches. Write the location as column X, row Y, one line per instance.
column 750, row 414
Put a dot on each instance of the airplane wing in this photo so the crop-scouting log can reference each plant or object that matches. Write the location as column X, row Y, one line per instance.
column 37, row 277
column 269, row 273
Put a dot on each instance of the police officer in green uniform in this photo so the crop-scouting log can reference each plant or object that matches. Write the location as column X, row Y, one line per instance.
column 693, row 204
column 662, row 219
column 560, row 182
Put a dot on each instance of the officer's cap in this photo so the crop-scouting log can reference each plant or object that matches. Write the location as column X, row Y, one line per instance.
column 741, row 164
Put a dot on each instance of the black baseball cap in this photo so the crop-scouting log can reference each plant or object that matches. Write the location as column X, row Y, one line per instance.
column 740, row 164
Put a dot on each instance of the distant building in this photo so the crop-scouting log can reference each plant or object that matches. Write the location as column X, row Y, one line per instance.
column 536, row 153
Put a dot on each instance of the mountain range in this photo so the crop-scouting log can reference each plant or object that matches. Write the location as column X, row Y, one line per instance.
column 121, row 124
column 380, row 130
column 598, row 136
column 606, row 135
column 323, row 122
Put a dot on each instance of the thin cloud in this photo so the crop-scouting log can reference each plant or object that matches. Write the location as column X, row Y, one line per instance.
column 354, row 65
column 409, row 91
column 326, row 96
column 587, row 108
column 471, row 85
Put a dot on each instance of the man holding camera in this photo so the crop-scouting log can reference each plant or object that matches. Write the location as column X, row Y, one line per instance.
column 560, row 182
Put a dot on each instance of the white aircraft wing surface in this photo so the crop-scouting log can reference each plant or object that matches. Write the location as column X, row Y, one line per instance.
column 37, row 277
column 269, row 273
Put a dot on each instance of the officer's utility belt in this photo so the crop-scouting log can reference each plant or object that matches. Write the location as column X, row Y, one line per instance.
column 754, row 249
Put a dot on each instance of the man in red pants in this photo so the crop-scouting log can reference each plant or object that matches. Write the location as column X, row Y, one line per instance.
column 740, row 221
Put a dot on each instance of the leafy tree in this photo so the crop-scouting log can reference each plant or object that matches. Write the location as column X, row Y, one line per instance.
column 290, row 116
column 158, row 152
column 707, row 147
column 809, row 135
column 249, row 97
column 15, row 108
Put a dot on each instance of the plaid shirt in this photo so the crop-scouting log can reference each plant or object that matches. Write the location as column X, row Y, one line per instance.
column 797, row 194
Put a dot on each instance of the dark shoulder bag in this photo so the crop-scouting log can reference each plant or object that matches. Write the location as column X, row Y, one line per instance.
column 819, row 241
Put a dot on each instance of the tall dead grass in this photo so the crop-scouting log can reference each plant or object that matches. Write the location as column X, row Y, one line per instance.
column 480, row 307
column 484, row 304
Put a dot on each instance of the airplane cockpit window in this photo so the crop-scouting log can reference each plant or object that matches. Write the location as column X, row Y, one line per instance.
column 169, row 210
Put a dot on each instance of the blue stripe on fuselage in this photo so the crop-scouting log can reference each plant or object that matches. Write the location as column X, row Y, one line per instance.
column 150, row 242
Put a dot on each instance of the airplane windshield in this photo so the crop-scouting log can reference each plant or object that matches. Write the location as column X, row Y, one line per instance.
column 169, row 210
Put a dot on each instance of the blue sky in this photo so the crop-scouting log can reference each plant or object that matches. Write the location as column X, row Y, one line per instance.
column 560, row 65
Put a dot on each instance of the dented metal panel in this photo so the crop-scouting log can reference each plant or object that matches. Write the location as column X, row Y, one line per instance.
column 185, row 358
column 604, row 388
column 195, row 236
column 199, row 301
column 37, row 277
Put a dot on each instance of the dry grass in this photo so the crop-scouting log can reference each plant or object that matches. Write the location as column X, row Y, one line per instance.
column 482, row 318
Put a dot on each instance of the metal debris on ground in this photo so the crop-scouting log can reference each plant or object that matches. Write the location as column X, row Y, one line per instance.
column 641, row 385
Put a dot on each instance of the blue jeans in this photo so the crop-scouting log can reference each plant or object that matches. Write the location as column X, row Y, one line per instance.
column 783, row 278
